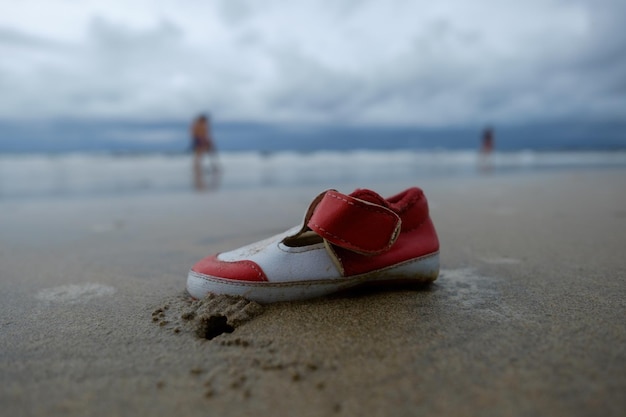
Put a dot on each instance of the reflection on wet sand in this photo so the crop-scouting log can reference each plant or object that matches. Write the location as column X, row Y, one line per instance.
column 206, row 181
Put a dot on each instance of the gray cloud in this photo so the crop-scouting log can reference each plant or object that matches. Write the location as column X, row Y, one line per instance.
column 343, row 61
column 14, row 38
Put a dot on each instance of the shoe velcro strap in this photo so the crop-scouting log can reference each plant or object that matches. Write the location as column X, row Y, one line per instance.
column 355, row 224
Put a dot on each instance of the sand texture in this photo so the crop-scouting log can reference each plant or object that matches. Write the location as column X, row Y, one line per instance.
column 526, row 318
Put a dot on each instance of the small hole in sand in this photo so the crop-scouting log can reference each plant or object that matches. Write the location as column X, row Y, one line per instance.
column 214, row 326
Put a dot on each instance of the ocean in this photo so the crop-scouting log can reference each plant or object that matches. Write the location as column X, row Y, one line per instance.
column 88, row 174
column 81, row 159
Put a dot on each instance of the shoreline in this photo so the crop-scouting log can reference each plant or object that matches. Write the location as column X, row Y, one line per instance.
column 88, row 176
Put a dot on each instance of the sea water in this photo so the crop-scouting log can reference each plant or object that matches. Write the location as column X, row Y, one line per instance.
column 88, row 174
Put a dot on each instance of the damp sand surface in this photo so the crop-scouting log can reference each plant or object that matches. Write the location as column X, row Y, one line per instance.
column 526, row 318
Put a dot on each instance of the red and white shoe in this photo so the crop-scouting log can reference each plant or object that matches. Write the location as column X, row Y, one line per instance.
column 344, row 241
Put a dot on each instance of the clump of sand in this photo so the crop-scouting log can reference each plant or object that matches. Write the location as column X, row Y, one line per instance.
column 245, row 362
column 207, row 318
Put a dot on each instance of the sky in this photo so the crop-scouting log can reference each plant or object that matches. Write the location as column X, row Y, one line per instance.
column 358, row 62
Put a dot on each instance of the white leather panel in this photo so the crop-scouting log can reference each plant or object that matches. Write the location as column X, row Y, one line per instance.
column 282, row 263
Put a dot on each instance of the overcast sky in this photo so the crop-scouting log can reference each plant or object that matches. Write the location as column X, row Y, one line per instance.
column 424, row 63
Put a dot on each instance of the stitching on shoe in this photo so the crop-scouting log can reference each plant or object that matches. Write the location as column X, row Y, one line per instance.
column 258, row 270
column 248, row 263
column 374, row 209
column 229, row 281
column 406, row 205
column 326, row 232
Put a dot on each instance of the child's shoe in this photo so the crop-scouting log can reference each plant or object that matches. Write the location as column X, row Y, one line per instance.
column 344, row 241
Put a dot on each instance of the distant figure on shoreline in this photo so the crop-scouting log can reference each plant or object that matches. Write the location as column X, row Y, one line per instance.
column 486, row 148
column 202, row 142
column 487, row 142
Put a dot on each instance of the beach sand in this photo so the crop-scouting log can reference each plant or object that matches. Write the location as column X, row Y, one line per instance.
column 526, row 318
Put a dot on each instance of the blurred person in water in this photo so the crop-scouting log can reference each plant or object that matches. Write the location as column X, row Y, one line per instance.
column 486, row 148
column 487, row 142
column 202, row 143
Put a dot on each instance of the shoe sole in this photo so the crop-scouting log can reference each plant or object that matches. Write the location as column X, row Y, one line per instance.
column 420, row 270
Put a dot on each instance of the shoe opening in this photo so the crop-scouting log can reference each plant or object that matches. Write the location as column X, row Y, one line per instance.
column 307, row 238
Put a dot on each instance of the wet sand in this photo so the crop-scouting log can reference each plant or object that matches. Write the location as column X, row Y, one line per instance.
column 526, row 318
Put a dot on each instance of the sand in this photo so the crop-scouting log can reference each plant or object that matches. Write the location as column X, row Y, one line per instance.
column 526, row 318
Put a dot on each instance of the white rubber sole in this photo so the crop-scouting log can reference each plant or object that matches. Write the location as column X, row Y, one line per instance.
column 418, row 270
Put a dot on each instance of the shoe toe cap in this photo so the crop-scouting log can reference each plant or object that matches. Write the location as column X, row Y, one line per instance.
column 243, row 270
